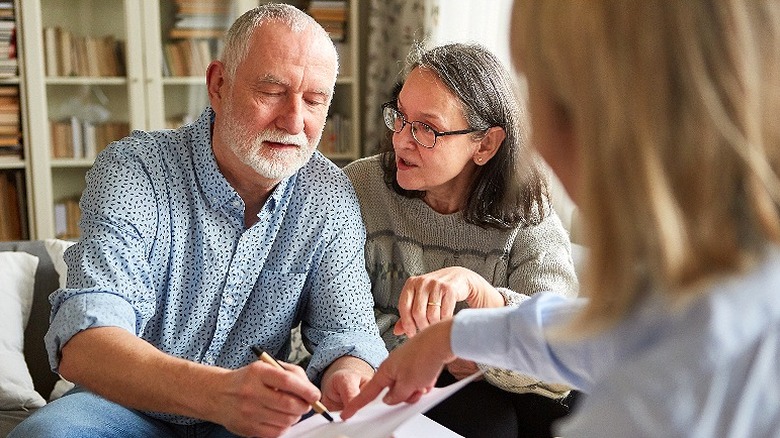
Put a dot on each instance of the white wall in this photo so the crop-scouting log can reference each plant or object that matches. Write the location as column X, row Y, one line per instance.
column 480, row 21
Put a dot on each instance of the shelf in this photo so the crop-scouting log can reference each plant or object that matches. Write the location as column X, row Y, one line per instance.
column 72, row 162
column 15, row 164
column 85, row 80
column 145, row 97
column 184, row 80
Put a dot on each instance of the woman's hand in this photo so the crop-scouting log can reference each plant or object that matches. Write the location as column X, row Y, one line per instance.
column 429, row 298
column 462, row 368
column 410, row 371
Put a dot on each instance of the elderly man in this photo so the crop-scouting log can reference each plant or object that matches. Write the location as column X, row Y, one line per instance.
column 203, row 242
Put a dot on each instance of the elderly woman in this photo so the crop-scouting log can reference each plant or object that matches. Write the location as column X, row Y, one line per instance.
column 458, row 215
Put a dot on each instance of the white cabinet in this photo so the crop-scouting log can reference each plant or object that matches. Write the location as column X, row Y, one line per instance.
column 96, row 69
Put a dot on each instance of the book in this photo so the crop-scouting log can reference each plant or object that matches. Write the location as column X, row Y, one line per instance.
column 10, row 222
column 66, row 218
column 51, row 50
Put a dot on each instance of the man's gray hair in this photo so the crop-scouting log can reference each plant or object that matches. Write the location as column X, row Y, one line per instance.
column 240, row 33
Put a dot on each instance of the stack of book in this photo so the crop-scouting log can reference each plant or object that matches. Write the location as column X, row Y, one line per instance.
column 332, row 15
column 69, row 54
column 10, row 126
column 196, row 36
column 8, row 61
column 13, row 206
column 79, row 139
column 336, row 135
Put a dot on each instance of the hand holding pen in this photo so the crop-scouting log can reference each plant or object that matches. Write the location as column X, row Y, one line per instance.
column 258, row 399
column 267, row 358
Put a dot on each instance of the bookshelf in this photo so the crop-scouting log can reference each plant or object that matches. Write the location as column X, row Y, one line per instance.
column 14, row 154
column 97, row 69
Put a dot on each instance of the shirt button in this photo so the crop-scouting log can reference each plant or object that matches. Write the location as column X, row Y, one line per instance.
column 236, row 203
column 229, row 300
column 208, row 359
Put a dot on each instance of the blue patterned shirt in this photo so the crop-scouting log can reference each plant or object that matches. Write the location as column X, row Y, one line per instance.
column 165, row 254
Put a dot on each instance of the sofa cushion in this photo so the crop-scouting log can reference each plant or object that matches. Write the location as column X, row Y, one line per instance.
column 17, row 281
column 46, row 282
column 56, row 249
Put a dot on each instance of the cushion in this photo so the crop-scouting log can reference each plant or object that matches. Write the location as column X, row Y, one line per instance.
column 17, row 280
column 56, row 249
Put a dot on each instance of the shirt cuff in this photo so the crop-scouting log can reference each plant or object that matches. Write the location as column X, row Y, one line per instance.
column 368, row 348
column 83, row 311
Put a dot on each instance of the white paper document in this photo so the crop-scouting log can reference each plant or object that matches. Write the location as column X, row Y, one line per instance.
column 378, row 420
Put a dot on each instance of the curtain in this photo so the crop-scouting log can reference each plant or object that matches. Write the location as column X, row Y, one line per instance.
column 393, row 27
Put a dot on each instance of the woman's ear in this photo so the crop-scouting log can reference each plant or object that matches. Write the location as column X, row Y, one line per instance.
column 489, row 145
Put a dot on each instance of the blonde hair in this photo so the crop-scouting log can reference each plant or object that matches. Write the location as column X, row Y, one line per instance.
column 674, row 106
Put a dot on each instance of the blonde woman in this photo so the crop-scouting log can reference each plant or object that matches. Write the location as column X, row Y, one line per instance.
column 660, row 120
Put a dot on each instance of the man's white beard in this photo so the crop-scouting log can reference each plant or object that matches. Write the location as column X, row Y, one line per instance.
column 269, row 163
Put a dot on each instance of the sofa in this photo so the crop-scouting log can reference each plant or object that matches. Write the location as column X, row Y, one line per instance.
column 49, row 274
column 35, row 356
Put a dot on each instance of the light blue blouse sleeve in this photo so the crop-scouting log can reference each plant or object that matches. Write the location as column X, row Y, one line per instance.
column 522, row 339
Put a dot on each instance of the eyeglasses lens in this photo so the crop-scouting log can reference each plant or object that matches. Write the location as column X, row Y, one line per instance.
column 393, row 119
column 421, row 132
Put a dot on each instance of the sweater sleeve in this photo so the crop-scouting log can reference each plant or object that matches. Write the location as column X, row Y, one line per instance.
column 540, row 260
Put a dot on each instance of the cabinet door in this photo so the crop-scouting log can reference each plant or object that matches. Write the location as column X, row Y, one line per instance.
column 14, row 158
column 183, row 37
column 85, row 66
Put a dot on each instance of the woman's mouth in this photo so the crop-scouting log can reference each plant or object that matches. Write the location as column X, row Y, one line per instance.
column 402, row 164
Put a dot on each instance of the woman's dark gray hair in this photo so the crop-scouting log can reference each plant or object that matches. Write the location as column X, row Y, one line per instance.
column 510, row 189
column 240, row 33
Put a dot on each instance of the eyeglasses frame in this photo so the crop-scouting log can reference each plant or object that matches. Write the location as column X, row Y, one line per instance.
column 436, row 134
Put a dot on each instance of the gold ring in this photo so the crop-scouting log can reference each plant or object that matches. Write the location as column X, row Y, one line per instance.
column 431, row 303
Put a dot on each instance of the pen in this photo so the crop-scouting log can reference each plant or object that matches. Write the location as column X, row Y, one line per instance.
column 267, row 358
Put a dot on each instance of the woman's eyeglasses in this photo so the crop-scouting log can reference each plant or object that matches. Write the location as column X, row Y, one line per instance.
column 421, row 132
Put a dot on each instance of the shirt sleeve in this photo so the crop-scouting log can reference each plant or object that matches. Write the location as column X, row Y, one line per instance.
column 524, row 339
column 108, row 282
column 339, row 319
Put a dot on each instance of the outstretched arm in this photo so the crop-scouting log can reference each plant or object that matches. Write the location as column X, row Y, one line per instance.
column 410, row 371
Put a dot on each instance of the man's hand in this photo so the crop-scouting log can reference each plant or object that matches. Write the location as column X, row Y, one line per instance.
column 342, row 381
column 256, row 400
column 263, row 401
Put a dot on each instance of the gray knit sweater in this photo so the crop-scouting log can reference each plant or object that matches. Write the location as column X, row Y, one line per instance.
column 405, row 237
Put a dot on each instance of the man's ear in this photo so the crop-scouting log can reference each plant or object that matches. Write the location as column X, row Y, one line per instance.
column 215, row 84
column 489, row 145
